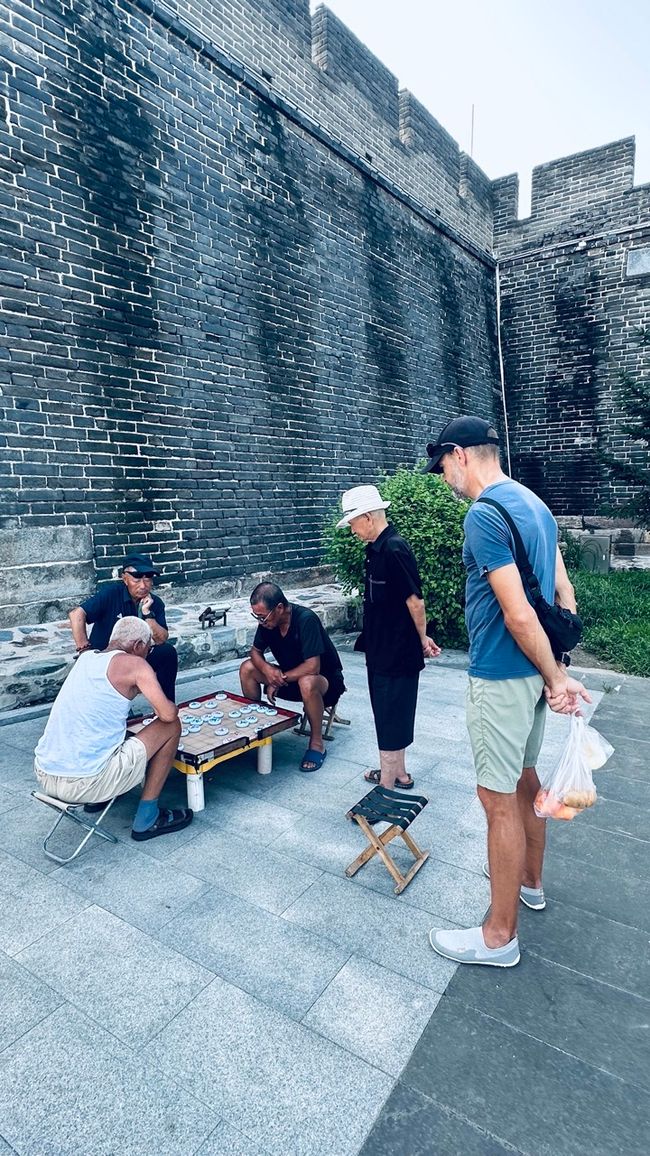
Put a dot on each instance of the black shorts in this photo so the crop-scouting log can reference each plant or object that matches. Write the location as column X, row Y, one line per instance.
column 393, row 700
column 291, row 692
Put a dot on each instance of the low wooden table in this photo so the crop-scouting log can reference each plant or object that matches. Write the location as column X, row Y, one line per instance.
column 200, row 750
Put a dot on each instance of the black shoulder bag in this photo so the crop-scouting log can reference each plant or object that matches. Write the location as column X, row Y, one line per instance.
column 563, row 629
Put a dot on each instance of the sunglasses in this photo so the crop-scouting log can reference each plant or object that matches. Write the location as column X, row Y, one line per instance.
column 140, row 573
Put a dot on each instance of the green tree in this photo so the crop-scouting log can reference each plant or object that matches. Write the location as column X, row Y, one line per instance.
column 428, row 515
column 636, row 403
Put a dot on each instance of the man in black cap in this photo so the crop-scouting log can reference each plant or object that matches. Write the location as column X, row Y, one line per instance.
column 132, row 593
column 513, row 675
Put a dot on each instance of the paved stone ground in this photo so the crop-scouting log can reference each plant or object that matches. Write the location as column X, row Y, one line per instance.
column 228, row 990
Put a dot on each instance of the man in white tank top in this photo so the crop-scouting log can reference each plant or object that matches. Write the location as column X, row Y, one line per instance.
column 85, row 756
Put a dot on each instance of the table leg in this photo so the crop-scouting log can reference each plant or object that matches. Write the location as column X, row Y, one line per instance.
column 264, row 758
column 195, row 792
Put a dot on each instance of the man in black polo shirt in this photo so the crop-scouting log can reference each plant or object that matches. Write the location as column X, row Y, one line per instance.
column 130, row 594
column 309, row 668
column 394, row 631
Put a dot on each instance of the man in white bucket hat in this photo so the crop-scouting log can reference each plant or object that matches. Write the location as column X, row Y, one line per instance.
column 394, row 631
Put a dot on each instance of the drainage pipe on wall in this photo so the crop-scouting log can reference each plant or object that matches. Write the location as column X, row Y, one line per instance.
column 502, row 372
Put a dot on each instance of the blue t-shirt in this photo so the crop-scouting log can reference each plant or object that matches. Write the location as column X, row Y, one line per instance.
column 493, row 652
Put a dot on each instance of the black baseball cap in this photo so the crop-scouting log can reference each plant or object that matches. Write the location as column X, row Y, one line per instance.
column 141, row 563
column 463, row 432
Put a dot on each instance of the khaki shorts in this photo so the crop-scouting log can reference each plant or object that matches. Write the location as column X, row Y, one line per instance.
column 125, row 769
column 505, row 720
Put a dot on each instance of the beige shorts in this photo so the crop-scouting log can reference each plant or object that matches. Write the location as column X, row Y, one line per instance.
column 505, row 720
column 125, row 769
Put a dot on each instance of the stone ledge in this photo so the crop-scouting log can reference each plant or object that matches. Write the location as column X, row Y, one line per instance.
column 34, row 660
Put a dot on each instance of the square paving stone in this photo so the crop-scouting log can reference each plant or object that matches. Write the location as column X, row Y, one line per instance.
column 597, row 889
column 589, row 944
column 284, row 965
column 25, row 1000
column 589, row 1020
column 633, row 791
column 24, row 735
column 392, row 934
column 438, row 888
column 482, row 1069
column 324, row 838
column 581, row 840
column 136, row 888
column 16, row 771
column 270, row 880
column 259, row 820
column 31, row 905
column 373, row 1013
column 23, row 829
column 227, row 1141
column 68, row 1088
column 282, row 1085
column 410, row 1124
column 619, row 817
column 130, row 984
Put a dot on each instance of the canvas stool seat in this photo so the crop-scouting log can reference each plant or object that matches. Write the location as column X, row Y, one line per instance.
column 74, row 812
column 383, row 806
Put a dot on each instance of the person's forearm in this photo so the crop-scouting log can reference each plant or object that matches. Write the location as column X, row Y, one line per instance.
column 259, row 662
column 533, row 640
column 310, row 666
column 78, row 621
column 158, row 632
column 565, row 595
column 417, row 611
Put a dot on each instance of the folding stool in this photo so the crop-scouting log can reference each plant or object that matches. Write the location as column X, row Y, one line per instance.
column 329, row 718
column 70, row 810
column 383, row 806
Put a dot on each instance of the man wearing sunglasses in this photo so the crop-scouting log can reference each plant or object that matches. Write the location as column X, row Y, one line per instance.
column 132, row 593
column 308, row 666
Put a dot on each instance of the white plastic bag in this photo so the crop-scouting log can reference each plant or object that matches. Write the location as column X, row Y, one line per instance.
column 569, row 788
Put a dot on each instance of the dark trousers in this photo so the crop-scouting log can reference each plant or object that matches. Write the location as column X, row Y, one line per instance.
column 164, row 660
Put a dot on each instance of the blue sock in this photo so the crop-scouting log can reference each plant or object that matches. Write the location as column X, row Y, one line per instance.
column 146, row 814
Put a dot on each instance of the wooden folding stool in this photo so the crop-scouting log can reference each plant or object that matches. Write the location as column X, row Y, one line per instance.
column 329, row 718
column 383, row 806
column 69, row 811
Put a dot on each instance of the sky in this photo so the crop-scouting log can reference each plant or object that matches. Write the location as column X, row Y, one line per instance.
column 547, row 78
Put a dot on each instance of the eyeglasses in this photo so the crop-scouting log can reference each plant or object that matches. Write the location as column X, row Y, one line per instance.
column 140, row 573
column 262, row 618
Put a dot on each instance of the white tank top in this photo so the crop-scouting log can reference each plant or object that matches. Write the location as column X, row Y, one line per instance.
column 87, row 723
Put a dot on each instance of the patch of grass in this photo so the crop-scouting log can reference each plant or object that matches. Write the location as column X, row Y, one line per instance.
column 615, row 609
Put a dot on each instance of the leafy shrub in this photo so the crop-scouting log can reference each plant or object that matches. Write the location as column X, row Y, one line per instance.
column 615, row 609
column 571, row 550
column 428, row 515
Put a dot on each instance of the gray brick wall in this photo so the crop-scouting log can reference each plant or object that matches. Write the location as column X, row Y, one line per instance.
column 571, row 317
column 215, row 311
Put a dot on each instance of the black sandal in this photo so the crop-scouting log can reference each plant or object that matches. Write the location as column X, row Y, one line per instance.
column 166, row 823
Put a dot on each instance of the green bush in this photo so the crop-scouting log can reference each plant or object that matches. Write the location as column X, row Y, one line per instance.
column 428, row 515
column 615, row 609
column 571, row 550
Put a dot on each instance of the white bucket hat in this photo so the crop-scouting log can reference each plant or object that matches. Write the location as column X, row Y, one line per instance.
column 360, row 500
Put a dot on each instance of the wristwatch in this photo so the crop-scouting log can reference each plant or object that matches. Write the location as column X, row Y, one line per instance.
column 150, row 615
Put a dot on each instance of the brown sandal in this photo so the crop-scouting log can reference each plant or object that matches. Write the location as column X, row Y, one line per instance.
column 374, row 776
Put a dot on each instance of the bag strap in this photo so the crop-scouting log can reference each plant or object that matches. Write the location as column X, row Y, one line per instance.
column 521, row 557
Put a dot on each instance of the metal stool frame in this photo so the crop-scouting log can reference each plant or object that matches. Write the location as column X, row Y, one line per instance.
column 70, row 810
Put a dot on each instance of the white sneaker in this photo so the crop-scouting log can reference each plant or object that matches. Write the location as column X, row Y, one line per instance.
column 532, row 897
column 469, row 947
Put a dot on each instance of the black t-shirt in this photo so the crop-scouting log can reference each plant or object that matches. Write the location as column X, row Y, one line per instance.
column 110, row 603
column 390, row 639
column 305, row 638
